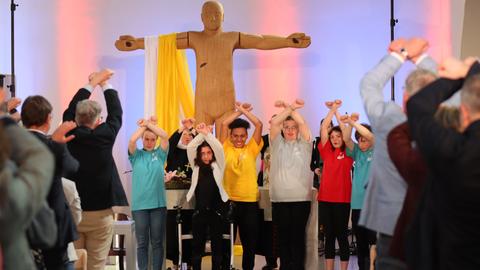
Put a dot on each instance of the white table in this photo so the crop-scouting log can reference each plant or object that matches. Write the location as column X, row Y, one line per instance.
column 127, row 228
column 178, row 197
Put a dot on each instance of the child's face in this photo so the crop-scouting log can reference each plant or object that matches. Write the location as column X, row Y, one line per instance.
column 187, row 137
column 290, row 130
column 336, row 139
column 364, row 144
column 149, row 140
column 206, row 155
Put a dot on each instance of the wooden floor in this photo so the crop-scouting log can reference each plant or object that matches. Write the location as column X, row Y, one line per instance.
column 259, row 263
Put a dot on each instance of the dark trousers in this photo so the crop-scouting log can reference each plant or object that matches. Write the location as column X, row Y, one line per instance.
column 270, row 238
column 365, row 238
column 291, row 221
column 172, row 236
column 207, row 221
column 245, row 216
column 55, row 258
column 335, row 221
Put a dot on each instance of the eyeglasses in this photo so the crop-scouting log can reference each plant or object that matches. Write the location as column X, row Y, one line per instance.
column 290, row 128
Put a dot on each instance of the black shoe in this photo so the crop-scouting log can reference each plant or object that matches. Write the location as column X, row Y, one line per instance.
column 269, row 267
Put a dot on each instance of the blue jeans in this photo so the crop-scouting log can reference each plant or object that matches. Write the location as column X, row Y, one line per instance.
column 150, row 224
column 70, row 265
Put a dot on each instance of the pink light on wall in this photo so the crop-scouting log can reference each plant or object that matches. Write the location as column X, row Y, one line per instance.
column 279, row 17
column 76, row 46
column 439, row 31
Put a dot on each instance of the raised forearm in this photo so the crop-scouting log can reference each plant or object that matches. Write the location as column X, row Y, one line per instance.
column 132, row 142
column 364, row 132
column 226, row 123
column 347, row 136
column 302, row 125
column 325, row 124
column 158, row 131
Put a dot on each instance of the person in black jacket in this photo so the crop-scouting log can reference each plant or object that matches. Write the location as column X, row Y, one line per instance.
column 177, row 160
column 37, row 117
column 445, row 231
column 97, row 178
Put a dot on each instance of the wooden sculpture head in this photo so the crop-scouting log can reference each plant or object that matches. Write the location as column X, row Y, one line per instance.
column 212, row 16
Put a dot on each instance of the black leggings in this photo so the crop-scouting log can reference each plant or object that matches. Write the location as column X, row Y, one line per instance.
column 212, row 221
column 291, row 221
column 365, row 238
column 245, row 216
column 335, row 221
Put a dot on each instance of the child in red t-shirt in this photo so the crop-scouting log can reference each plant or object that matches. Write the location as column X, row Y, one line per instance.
column 335, row 187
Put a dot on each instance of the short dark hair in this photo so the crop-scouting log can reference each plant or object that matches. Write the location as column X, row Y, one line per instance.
column 2, row 77
column 35, row 111
column 198, row 158
column 357, row 135
column 289, row 118
column 239, row 123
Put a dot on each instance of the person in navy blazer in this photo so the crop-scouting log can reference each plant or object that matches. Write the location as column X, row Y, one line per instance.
column 97, row 178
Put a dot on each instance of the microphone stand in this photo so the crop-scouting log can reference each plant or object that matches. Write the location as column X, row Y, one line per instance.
column 13, row 7
column 393, row 22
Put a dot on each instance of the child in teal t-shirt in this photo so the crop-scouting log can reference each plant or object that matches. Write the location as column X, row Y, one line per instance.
column 362, row 153
column 148, row 191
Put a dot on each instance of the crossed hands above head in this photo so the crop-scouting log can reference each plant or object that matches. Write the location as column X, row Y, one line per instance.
column 13, row 103
column 410, row 49
column 100, row 77
column 188, row 123
column 349, row 119
column 60, row 134
column 452, row 68
column 204, row 128
column 333, row 105
column 280, row 104
column 144, row 122
column 296, row 104
column 153, row 120
column 243, row 107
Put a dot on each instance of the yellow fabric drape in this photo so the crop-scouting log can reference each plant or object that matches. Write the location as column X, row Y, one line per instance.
column 174, row 92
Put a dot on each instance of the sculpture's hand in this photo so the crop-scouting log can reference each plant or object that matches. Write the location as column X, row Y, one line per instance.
column 127, row 43
column 299, row 40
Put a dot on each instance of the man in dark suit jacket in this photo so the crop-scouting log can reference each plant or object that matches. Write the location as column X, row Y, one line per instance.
column 452, row 194
column 37, row 117
column 97, row 178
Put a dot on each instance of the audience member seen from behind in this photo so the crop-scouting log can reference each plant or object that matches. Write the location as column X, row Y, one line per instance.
column 386, row 189
column 26, row 170
column 37, row 118
column 97, row 178
column 452, row 159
